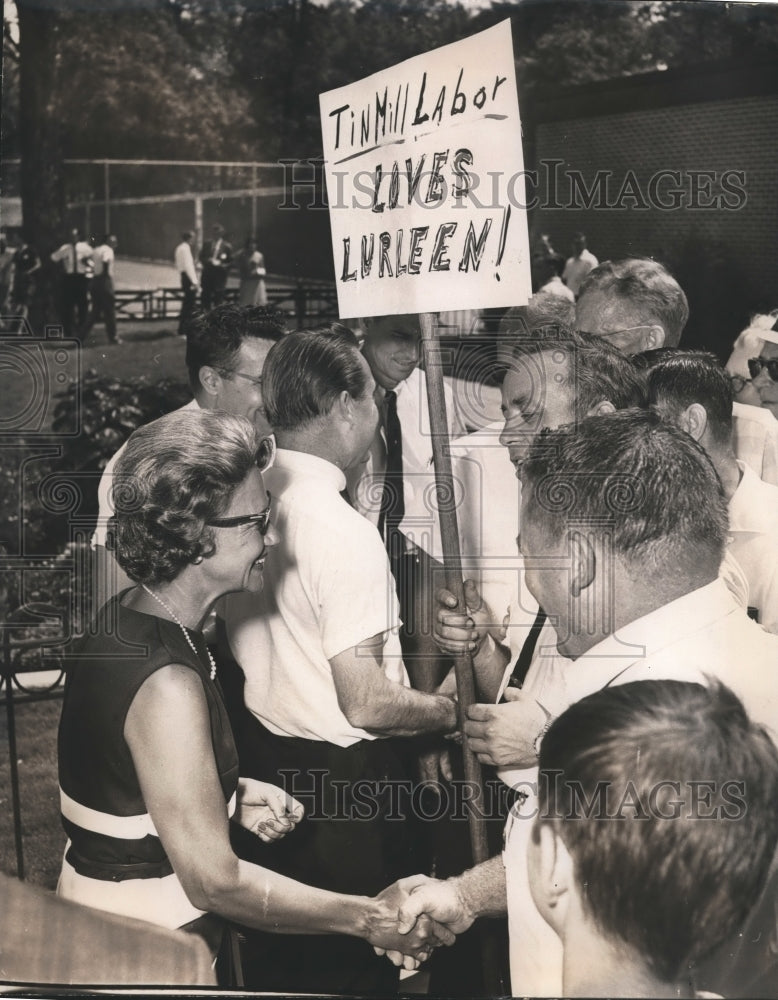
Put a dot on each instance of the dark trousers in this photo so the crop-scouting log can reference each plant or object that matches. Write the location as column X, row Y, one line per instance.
column 73, row 303
column 187, row 304
column 213, row 282
column 103, row 306
column 347, row 842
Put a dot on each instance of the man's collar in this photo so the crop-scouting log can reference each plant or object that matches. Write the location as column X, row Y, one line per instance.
column 663, row 625
column 304, row 464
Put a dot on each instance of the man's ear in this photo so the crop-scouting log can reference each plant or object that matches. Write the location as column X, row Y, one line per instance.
column 694, row 420
column 210, row 380
column 604, row 406
column 583, row 563
column 344, row 408
column 554, row 878
column 653, row 337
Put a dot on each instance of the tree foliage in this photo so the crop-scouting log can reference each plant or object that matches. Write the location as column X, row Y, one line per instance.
column 234, row 79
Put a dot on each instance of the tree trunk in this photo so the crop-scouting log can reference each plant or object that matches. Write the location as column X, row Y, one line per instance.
column 41, row 181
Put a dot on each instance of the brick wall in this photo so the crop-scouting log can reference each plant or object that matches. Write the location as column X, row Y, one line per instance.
column 724, row 257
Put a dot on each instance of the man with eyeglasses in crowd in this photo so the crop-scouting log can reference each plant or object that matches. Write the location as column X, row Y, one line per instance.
column 637, row 305
column 225, row 352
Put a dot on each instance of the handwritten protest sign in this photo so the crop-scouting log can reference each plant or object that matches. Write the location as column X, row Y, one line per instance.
column 425, row 183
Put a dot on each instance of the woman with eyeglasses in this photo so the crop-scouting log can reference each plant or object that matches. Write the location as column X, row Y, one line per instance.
column 147, row 763
column 748, row 344
column 764, row 370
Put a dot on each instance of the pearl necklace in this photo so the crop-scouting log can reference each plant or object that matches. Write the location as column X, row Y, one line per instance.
column 181, row 625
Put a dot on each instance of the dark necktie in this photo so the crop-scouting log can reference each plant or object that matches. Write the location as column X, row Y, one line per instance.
column 392, row 499
column 75, row 259
column 524, row 659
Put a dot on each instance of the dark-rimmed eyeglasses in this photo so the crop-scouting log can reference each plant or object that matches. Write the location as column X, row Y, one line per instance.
column 756, row 365
column 261, row 520
column 256, row 380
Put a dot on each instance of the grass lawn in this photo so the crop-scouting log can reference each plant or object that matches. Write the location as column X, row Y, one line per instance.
column 36, row 752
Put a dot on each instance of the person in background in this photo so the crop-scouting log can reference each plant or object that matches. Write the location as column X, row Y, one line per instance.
column 226, row 349
column 579, row 264
column 638, row 306
column 692, row 390
column 641, row 887
column 190, row 286
column 102, row 289
column 216, row 260
column 747, row 345
column 764, row 370
column 74, row 258
column 26, row 265
column 547, row 277
column 635, row 304
column 251, row 268
column 7, row 255
column 148, row 839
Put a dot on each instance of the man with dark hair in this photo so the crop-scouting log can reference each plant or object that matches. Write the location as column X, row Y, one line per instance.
column 637, row 874
column 216, row 259
column 692, row 390
column 325, row 680
column 623, row 527
column 190, row 286
column 579, row 265
column 101, row 289
column 74, row 258
column 225, row 352
column 635, row 304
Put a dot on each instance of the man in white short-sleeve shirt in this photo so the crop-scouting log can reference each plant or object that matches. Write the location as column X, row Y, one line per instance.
column 326, row 687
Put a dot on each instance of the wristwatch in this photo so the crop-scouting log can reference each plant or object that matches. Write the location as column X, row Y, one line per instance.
column 546, row 726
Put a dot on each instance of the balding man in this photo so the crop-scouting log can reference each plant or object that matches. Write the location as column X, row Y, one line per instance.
column 634, row 304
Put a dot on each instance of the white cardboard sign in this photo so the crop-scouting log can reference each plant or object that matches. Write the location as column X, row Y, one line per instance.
column 425, row 183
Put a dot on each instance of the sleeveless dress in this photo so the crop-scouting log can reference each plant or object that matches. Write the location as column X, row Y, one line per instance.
column 114, row 859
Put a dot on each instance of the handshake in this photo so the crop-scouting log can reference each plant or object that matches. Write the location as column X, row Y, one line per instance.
column 415, row 915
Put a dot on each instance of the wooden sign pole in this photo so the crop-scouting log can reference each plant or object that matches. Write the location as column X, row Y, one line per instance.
column 444, row 483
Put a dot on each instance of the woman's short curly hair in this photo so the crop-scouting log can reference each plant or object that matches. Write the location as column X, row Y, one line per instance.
column 174, row 476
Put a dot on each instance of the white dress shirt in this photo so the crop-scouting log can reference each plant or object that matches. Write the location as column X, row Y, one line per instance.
column 184, row 261
column 103, row 260
column 327, row 588
column 753, row 542
column 576, row 269
column 420, row 525
column 702, row 634
column 755, row 440
column 65, row 255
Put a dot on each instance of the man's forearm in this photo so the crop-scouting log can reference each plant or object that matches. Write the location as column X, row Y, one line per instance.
column 401, row 711
column 482, row 890
column 489, row 665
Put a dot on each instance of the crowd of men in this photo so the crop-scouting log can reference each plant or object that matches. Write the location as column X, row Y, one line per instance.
column 619, row 531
